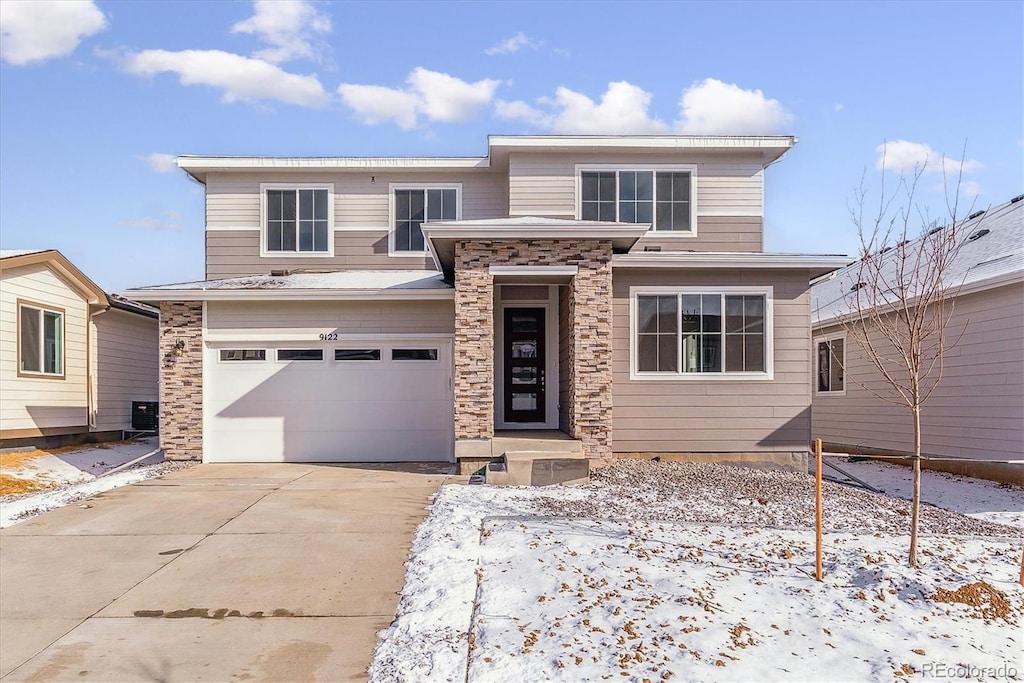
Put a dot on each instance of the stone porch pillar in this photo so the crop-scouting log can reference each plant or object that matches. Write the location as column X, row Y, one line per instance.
column 474, row 351
column 181, row 380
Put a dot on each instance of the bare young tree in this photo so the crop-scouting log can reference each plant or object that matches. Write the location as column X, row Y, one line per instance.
column 901, row 301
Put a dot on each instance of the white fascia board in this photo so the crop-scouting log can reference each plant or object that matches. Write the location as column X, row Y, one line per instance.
column 993, row 282
column 534, row 270
column 157, row 295
column 653, row 142
column 470, row 231
column 199, row 163
column 737, row 260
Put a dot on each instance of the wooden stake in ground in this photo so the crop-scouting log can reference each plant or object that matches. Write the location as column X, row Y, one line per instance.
column 1022, row 567
column 817, row 509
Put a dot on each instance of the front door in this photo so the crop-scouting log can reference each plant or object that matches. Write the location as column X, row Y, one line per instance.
column 524, row 364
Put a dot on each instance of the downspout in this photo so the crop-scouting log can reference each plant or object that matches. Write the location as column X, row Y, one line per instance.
column 90, row 376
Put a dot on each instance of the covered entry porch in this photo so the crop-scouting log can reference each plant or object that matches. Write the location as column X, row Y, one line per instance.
column 533, row 328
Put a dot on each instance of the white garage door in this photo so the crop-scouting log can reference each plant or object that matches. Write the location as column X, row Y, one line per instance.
column 365, row 401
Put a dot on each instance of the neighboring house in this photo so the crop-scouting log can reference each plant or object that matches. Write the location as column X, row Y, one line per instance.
column 614, row 288
column 977, row 411
column 72, row 358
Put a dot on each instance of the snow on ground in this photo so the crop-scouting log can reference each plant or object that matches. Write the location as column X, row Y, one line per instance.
column 978, row 498
column 69, row 475
column 698, row 572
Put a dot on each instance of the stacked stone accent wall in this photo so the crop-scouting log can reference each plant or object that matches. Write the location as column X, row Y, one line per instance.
column 181, row 380
column 590, row 316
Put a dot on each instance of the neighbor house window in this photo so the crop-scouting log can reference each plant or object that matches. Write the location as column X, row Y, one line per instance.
column 297, row 220
column 661, row 198
column 690, row 332
column 415, row 206
column 831, row 365
column 40, row 340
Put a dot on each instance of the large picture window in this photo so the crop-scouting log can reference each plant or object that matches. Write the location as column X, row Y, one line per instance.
column 690, row 332
column 297, row 220
column 40, row 341
column 831, row 355
column 661, row 198
column 413, row 207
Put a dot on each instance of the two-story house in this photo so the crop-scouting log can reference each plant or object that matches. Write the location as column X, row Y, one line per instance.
column 614, row 288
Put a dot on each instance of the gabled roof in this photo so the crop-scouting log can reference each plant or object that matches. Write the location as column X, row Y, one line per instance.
column 989, row 260
column 90, row 291
column 337, row 285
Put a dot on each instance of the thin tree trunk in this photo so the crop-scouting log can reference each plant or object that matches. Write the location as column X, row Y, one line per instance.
column 916, row 503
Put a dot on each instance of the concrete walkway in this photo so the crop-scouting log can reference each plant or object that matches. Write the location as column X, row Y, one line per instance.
column 215, row 573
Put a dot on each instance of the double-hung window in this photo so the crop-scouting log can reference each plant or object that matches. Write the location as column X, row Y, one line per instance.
column 40, row 340
column 663, row 198
column 690, row 332
column 297, row 220
column 831, row 361
column 412, row 207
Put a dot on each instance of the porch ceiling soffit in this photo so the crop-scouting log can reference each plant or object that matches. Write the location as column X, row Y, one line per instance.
column 441, row 236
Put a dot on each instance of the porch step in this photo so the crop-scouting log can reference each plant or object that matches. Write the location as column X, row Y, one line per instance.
column 540, row 442
column 538, row 468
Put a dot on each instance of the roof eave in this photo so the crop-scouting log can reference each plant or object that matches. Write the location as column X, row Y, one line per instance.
column 816, row 264
column 291, row 294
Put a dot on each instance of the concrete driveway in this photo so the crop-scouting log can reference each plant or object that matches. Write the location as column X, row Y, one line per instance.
column 214, row 573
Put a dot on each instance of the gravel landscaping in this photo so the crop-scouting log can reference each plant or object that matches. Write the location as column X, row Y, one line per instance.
column 715, row 494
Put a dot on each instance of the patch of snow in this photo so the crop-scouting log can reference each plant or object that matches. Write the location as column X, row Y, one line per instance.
column 500, row 581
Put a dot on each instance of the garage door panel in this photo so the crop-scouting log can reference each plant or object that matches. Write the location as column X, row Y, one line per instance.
column 330, row 411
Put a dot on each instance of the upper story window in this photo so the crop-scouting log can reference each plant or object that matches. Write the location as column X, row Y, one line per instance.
column 40, row 341
column 663, row 198
column 831, row 360
column 412, row 206
column 297, row 220
column 685, row 332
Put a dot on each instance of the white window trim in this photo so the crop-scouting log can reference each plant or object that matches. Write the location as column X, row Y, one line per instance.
column 266, row 357
column 769, row 336
column 670, row 168
column 42, row 342
column 264, row 252
column 846, row 370
column 278, row 361
column 391, row 213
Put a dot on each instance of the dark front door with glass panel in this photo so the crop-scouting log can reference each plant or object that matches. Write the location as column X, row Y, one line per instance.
column 524, row 365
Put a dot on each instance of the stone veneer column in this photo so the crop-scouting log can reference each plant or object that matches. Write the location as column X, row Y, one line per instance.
column 590, row 353
column 181, row 380
column 474, row 343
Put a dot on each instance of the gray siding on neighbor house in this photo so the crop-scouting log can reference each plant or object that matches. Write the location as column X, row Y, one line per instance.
column 716, row 415
column 306, row 320
column 127, row 352
column 730, row 193
column 361, row 217
column 977, row 409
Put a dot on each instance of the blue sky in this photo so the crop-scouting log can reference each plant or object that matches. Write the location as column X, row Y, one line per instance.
column 95, row 97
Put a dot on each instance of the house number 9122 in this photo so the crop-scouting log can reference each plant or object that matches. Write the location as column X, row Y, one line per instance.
column 328, row 336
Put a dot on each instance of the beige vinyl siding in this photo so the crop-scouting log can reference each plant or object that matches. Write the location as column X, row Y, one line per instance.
column 42, row 403
column 307, row 320
column 231, row 253
column 716, row 415
column 716, row 233
column 361, row 213
column 728, row 186
column 127, row 366
column 976, row 412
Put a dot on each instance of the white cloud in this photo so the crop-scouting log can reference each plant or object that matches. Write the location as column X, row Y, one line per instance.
column 513, row 44
column 433, row 95
column 167, row 221
column 712, row 107
column 161, row 163
column 34, row 31
column 708, row 107
column 242, row 79
column 838, row 106
column 903, row 156
column 293, row 29
column 623, row 109
column 970, row 188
